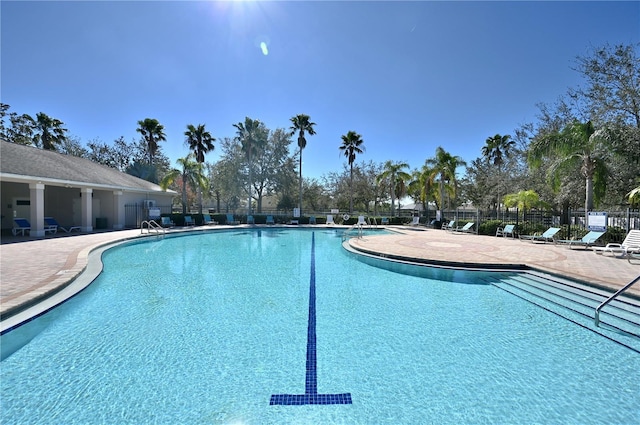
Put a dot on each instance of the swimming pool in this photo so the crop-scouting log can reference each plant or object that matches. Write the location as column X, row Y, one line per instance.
column 208, row 328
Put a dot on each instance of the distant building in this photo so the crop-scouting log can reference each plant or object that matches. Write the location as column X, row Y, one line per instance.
column 36, row 183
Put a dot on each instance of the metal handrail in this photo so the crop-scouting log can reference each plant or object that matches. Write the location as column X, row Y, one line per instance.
column 608, row 300
column 151, row 225
column 346, row 235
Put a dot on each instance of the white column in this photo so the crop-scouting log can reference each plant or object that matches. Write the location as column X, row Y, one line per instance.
column 118, row 210
column 36, row 219
column 86, row 195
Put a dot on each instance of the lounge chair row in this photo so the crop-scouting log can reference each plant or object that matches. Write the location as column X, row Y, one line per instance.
column 51, row 225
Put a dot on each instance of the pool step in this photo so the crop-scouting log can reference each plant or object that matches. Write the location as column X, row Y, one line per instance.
column 619, row 320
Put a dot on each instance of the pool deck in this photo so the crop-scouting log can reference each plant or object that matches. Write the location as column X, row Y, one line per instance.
column 33, row 269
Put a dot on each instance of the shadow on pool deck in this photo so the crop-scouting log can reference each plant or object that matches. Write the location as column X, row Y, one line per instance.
column 32, row 269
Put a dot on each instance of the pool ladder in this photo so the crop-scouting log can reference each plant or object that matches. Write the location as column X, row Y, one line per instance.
column 152, row 226
column 611, row 298
column 348, row 233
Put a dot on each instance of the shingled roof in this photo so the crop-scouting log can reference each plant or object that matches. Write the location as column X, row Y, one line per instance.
column 19, row 163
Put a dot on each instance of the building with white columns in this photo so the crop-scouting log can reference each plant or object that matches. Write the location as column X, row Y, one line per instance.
column 36, row 183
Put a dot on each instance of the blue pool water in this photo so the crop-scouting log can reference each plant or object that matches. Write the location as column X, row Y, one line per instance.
column 207, row 328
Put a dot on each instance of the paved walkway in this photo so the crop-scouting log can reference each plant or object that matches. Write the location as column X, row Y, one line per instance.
column 31, row 270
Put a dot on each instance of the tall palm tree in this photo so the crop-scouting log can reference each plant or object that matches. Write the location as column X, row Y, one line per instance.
column 301, row 124
column 495, row 150
column 252, row 135
column 200, row 142
column 577, row 146
column 192, row 173
column 48, row 131
column 394, row 173
column 443, row 166
column 152, row 133
column 351, row 146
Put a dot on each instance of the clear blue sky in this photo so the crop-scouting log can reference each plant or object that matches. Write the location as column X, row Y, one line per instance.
column 407, row 76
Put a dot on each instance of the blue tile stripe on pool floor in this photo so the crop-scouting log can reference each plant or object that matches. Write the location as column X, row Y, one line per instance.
column 311, row 395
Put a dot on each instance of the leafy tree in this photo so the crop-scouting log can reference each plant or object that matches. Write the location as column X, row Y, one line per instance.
column 612, row 91
column 352, row 145
column 578, row 146
column 443, row 166
column 4, row 135
column 200, row 142
column 394, row 173
column 71, row 146
column 301, row 123
column 315, row 197
column 224, row 173
column 191, row 173
column 152, row 132
column 118, row 155
column 272, row 164
column 252, row 136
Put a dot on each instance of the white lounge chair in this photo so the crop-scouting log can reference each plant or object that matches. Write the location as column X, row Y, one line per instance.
column 587, row 240
column 508, row 230
column 547, row 236
column 330, row 220
column 630, row 245
column 464, row 229
column 361, row 221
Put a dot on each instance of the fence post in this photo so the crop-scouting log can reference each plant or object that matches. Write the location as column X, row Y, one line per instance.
column 628, row 220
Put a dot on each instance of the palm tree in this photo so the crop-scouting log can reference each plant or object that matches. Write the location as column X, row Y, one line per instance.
column 422, row 187
column 48, row 131
column 152, row 133
column 192, row 173
column 577, row 146
column 252, row 135
column 351, row 145
column 301, row 124
column 393, row 171
column 443, row 166
column 495, row 150
column 200, row 142
column 524, row 200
